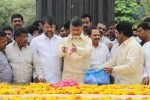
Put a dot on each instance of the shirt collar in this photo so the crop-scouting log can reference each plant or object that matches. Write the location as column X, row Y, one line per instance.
column 45, row 37
column 99, row 45
column 80, row 37
column 127, row 41
column 15, row 44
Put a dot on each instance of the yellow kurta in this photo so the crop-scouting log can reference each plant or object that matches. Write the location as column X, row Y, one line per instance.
column 127, row 63
column 76, row 64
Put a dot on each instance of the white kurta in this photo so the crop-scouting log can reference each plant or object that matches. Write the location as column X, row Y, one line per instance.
column 100, row 55
column 146, row 50
column 104, row 40
column 47, row 51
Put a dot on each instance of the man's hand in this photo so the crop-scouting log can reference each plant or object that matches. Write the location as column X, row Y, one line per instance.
column 73, row 49
column 42, row 80
column 37, row 80
column 108, row 70
column 145, row 81
column 65, row 49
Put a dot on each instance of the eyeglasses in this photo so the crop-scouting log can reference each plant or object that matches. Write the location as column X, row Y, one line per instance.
column 15, row 21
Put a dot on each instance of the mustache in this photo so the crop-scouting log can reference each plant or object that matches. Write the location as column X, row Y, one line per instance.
column 97, row 39
column 18, row 26
column 49, row 33
column 85, row 27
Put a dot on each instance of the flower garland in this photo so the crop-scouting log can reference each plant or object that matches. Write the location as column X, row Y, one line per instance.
column 68, row 98
column 48, row 88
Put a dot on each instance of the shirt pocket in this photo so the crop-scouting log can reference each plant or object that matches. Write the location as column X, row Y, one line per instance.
column 27, row 58
column 13, row 58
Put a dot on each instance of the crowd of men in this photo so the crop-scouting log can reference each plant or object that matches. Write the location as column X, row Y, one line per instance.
column 40, row 53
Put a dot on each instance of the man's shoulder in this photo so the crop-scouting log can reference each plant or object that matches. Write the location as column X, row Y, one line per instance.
column 10, row 45
column 38, row 37
column 146, row 45
column 58, row 37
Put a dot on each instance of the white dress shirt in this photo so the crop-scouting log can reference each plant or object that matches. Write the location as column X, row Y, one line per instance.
column 115, row 41
column 100, row 55
column 23, row 62
column 146, row 50
column 104, row 40
column 114, row 49
column 47, row 51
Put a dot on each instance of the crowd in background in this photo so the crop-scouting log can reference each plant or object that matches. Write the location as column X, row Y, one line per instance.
column 40, row 53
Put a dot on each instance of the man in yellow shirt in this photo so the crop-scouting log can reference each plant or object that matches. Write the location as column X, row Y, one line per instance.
column 76, row 50
column 127, row 64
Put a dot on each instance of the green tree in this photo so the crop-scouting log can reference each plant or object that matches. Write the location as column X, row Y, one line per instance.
column 27, row 8
column 145, row 4
column 123, row 10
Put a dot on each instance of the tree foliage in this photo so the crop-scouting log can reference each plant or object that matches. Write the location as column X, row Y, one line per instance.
column 123, row 10
column 27, row 8
column 145, row 4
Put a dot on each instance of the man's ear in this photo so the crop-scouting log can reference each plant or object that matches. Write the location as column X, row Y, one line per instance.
column 148, row 30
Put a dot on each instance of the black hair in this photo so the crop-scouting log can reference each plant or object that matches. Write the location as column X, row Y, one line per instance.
column 125, row 27
column 49, row 19
column 75, row 21
column 67, row 25
column 87, row 15
column 16, row 16
column 7, row 28
column 2, row 33
column 134, row 29
column 101, row 22
column 144, row 25
column 112, row 23
column 147, row 19
column 36, row 23
column 32, row 28
column 19, row 31
column 89, row 30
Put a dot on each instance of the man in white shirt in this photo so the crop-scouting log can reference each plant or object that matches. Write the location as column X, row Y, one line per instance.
column 23, row 58
column 46, row 46
column 100, row 53
column 127, row 64
column 102, row 28
column 143, row 31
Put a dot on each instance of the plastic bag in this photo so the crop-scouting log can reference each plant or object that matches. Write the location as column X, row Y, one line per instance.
column 97, row 76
